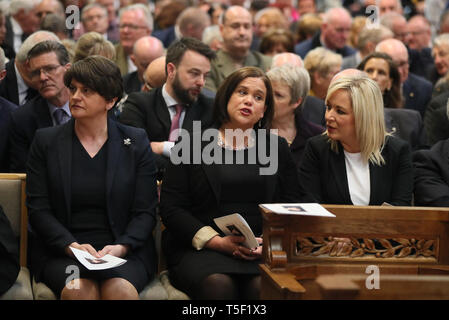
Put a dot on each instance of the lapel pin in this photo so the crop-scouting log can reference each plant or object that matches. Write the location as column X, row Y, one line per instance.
column 127, row 141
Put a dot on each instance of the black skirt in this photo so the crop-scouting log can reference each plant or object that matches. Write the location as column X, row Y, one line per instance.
column 197, row 265
column 59, row 270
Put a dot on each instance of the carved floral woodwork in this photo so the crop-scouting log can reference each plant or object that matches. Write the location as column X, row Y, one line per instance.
column 365, row 247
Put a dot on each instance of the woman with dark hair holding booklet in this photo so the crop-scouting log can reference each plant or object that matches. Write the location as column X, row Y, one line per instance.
column 203, row 261
column 91, row 186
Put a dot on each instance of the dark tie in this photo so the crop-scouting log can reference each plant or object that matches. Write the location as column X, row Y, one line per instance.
column 30, row 94
column 60, row 116
column 175, row 123
column 24, row 36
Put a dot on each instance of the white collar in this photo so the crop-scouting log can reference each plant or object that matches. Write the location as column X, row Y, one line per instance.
column 169, row 101
column 21, row 85
column 16, row 28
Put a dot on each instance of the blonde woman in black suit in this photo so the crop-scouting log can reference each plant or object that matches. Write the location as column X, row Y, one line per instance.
column 356, row 161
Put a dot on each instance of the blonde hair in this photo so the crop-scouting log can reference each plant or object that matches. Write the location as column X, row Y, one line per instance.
column 93, row 43
column 321, row 60
column 367, row 105
column 358, row 23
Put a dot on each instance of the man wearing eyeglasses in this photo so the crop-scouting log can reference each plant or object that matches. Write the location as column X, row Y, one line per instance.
column 95, row 18
column 48, row 62
column 419, row 34
column 135, row 22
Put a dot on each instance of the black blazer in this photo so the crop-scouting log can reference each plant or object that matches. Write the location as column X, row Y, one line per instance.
column 406, row 124
column 131, row 83
column 148, row 110
column 9, row 254
column 130, row 189
column 8, row 87
column 432, row 175
column 322, row 174
column 190, row 197
column 420, row 62
column 25, row 121
column 304, row 130
column 436, row 122
column 6, row 108
column 305, row 46
column 167, row 35
column 9, row 36
column 314, row 110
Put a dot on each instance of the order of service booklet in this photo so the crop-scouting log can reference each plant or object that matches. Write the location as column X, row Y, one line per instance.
column 304, row 209
column 90, row 262
column 236, row 225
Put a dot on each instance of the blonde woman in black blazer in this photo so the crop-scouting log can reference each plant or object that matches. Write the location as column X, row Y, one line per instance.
column 91, row 186
column 382, row 169
column 202, row 261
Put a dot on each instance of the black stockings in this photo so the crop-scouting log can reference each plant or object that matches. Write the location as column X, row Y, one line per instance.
column 220, row 286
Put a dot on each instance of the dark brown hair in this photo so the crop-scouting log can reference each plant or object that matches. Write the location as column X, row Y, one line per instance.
column 50, row 46
column 177, row 49
column 228, row 87
column 275, row 36
column 99, row 74
column 393, row 97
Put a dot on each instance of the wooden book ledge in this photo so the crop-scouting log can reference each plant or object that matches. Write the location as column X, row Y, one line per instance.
column 375, row 252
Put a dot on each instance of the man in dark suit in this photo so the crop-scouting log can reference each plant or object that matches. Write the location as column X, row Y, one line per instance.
column 333, row 35
column 17, row 86
column 236, row 31
column 136, row 22
column 191, row 22
column 178, row 103
column 416, row 90
column 9, row 89
column 145, row 50
column 6, row 108
column 406, row 124
column 48, row 61
column 432, row 175
column 419, row 44
column 22, row 22
column 436, row 122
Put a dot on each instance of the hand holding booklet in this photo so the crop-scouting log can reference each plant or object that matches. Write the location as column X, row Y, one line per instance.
column 236, row 225
column 92, row 263
column 304, row 209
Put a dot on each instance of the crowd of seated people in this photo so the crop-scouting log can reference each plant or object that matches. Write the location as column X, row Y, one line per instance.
column 101, row 110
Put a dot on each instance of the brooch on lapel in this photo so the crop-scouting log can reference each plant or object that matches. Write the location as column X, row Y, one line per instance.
column 127, row 141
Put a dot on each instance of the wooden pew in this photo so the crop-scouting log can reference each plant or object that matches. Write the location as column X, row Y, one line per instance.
column 406, row 248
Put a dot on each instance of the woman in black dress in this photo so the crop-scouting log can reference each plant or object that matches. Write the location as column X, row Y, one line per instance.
column 202, row 261
column 91, row 186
